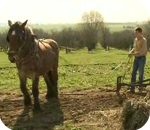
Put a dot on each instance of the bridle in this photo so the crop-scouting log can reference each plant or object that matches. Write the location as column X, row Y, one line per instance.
column 20, row 48
column 29, row 56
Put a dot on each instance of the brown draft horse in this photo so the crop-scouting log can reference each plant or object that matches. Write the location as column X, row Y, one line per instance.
column 33, row 58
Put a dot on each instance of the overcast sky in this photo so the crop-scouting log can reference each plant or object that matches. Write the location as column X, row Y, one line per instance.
column 70, row 11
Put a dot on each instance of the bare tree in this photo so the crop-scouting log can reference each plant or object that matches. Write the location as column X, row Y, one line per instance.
column 91, row 25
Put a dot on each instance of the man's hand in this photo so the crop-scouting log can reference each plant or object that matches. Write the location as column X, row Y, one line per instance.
column 130, row 54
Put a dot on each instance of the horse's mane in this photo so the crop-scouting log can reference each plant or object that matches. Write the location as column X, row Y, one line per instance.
column 29, row 30
column 29, row 33
column 17, row 23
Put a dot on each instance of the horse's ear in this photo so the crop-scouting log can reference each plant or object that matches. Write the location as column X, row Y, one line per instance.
column 24, row 24
column 9, row 23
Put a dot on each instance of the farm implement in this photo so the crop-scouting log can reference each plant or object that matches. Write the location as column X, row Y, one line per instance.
column 121, row 83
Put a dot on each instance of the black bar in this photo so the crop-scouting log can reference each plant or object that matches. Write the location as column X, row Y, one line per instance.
column 142, row 82
column 125, row 84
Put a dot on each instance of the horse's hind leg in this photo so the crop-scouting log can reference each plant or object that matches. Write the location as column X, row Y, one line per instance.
column 52, row 91
column 35, row 92
column 49, row 85
column 53, row 76
column 27, row 99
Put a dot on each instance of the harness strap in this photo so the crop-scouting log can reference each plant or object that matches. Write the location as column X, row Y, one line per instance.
column 20, row 49
column 31, row 55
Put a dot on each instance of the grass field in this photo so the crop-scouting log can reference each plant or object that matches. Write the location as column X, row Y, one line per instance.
column 81, row 73
column 78, row 70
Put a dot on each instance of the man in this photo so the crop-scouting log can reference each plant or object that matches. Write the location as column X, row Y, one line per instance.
column 140, row 52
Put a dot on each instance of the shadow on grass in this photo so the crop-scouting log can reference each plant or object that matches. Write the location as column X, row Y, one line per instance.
column 50, row 116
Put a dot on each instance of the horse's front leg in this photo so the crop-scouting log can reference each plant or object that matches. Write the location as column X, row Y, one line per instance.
column 27, row 99
column 35, row 92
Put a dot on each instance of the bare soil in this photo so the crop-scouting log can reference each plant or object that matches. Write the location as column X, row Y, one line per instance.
column 96, row 109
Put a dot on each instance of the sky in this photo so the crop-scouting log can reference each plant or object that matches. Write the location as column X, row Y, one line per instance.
column 70, row 11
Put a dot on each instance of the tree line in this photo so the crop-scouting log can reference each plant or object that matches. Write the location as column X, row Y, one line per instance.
column 91, row 31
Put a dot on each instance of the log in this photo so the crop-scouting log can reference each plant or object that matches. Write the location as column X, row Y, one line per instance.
column 135, row 114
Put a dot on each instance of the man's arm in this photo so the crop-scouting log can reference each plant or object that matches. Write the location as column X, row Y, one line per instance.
column 132, row 51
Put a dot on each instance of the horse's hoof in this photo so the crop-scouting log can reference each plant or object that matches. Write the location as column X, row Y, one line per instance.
column 37, row 109
column 48, row 97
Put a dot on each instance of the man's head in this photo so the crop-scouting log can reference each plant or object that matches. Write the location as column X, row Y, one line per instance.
column 138, row 32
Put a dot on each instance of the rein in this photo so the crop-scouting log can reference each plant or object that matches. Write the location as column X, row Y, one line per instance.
column 32, row 54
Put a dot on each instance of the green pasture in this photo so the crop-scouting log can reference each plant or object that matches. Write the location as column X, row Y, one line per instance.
column 78, row 70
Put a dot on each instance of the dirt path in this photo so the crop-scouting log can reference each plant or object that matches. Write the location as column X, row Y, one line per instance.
column 87, row 109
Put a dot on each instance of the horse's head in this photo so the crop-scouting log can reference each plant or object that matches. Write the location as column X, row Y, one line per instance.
column 17, row 36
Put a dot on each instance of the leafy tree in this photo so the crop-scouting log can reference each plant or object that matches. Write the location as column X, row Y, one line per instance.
column 122, row 40
column 146, row 31
column 105, row 38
